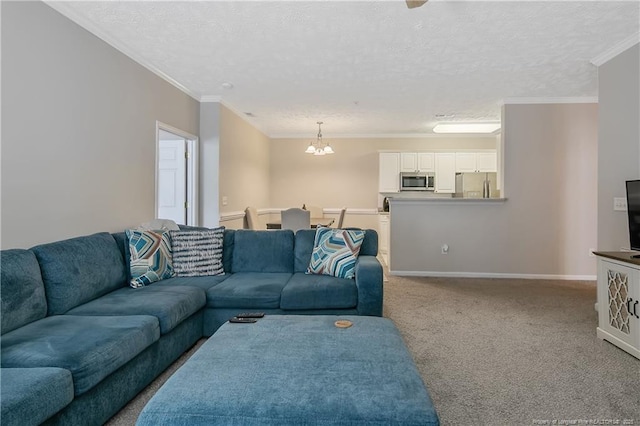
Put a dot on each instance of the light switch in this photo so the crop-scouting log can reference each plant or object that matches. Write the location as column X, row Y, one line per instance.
column 620, row 204
column 224, row 200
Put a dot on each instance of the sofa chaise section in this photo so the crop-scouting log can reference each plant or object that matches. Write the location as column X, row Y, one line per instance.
column 32, row 395
column 68, row 305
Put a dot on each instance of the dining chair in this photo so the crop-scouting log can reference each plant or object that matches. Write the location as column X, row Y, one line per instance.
column 252, row 218
column 296, row 218
column 341, row 217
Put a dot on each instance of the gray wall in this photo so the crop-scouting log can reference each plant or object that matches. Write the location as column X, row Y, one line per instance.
column 547, row 225
column 618, row 143
column 78, row 133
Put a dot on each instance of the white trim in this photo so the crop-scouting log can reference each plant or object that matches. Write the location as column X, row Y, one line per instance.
column 224, row 217
column 493, row 275
column 192, row 170
column 382, row 136
column 552, row 100
column 210, row 98
column 361, row 212
column 269, row 211
column 331, row 210
column 86, row 23
column 614, row 51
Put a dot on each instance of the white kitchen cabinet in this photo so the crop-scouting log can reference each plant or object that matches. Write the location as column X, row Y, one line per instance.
column 408, row 162
column 389, row 172
column 487, row 161
column 466, row 162
column 383, row 243
column 426, row 162
column 471, row 162
column 619, row 300
column 417, row 162
column 445, row 163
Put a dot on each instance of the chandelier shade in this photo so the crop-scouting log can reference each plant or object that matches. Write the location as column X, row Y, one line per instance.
column 319, row 147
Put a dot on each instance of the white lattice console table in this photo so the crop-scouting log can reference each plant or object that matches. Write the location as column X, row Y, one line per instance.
column 619, row 300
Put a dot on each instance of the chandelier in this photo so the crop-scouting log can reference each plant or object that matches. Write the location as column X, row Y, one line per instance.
column 319, row 147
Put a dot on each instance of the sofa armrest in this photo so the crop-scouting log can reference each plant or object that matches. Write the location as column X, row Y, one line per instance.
column 369, row 283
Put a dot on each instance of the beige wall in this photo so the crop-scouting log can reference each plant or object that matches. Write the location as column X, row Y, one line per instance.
column 78, row 130
column 244, row 167
column 618, row 143
column 547, row 225
column 347, row 178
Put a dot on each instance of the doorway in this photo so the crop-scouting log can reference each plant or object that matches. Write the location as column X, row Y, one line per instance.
column 176, row 175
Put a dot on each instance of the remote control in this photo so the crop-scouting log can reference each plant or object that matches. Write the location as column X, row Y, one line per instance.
column 243, row 320
column 250, row 315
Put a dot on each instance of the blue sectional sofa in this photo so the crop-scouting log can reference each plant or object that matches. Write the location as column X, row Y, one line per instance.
column 78, row 343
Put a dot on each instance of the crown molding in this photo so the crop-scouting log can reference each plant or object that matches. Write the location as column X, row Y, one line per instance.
column 385, row 136
column 210, row 98
column 552, row 100
column 611, row 53
column 68, row 12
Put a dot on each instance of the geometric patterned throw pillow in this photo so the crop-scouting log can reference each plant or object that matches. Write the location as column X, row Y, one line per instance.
column 150, row 257
column 335, row 252
column 197, row 252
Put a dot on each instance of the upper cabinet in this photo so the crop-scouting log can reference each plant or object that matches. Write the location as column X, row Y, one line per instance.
column 445, row 172
column 389, row 172
column 417, row 162
column 470, row 162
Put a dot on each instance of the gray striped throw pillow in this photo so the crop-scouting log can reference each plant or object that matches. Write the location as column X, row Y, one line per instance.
column 197, row 252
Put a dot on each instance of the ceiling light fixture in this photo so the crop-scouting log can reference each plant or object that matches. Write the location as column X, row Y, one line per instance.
column 466, row 127
column 319, row 147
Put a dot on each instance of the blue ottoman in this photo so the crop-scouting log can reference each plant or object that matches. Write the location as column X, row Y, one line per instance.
column 293, row 370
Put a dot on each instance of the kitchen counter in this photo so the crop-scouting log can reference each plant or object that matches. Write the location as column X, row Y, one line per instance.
column 432, row 197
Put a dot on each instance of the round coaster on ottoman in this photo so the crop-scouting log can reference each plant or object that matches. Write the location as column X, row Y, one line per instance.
column 343, row 324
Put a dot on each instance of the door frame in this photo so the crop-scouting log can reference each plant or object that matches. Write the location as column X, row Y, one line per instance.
column 192, row 170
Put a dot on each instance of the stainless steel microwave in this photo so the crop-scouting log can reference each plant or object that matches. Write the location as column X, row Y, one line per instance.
column 417, row 181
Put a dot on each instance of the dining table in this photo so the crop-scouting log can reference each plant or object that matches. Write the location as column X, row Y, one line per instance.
column 315, row 222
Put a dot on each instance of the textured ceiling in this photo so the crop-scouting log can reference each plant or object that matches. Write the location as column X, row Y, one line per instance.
column 366, row 67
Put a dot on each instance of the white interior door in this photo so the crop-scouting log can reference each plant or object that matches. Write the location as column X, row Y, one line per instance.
column 172, row 180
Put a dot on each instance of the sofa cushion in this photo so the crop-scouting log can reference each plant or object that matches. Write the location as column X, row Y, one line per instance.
column 90, row 347
column 204, row 283
column 248, row 290
column 171, row 305
column 263, row 251
column 80, row 269
column 197, row 252
column 335, row 252
column 32, row 395
column 150, row 259
column 22, row 289
column 305, row 291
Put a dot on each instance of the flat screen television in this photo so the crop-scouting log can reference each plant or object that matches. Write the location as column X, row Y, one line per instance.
column 633, row 213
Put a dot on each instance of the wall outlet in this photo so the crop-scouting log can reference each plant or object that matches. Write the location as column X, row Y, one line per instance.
column 620, row 204
column 224, row 200
column 445, row 249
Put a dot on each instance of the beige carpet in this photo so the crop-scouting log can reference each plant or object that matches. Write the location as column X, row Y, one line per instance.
column 502, row 352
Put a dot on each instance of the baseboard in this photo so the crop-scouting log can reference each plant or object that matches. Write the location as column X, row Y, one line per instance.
column 493, row 275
